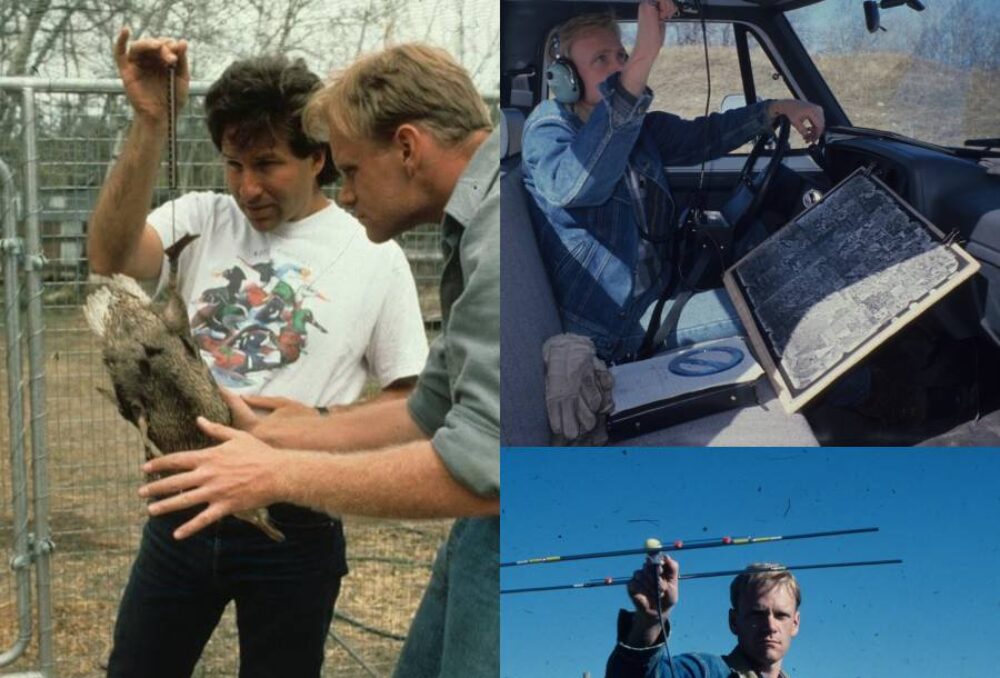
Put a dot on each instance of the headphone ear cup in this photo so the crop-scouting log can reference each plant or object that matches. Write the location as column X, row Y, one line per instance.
column 563, row 81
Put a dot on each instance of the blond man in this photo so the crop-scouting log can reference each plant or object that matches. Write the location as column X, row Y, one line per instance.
column 412, row 140
column 593, row 161
column 764, row 617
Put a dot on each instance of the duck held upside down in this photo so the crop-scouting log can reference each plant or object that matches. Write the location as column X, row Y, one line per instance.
column 160, row 383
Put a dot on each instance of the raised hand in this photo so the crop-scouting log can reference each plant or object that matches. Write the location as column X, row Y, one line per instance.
column 648, row 42
column 144, row 68
column 657, row 578
column 652, row 15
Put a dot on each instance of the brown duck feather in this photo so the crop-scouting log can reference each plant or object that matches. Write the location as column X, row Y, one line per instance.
column 161, row 385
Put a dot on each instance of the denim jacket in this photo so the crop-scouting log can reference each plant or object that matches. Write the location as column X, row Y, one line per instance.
column 652, row 662
column 588, row 226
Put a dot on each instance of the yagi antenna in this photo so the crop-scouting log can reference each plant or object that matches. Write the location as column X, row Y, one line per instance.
column 687, row 545
column 620, row 581
column 654, row 547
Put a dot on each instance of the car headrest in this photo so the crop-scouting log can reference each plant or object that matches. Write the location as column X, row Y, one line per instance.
column 511, row 128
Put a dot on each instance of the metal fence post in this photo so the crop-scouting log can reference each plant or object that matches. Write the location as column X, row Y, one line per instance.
column 20, row 562
column 36, row 362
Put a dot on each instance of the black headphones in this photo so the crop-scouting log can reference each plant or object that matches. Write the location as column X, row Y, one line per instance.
column 562, row 78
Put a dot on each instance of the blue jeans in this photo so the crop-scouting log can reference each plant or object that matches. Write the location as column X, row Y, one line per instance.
column 177, row 592
column 456, row 632
column 707, row 315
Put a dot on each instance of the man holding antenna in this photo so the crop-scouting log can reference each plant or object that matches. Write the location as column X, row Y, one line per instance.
column 764, row 617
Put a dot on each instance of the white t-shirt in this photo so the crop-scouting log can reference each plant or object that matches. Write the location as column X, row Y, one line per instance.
column 305, row 311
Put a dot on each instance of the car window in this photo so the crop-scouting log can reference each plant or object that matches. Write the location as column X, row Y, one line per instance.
column 931, row 75
column 678, row 78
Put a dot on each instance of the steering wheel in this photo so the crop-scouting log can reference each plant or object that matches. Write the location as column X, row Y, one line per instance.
column 745, row 202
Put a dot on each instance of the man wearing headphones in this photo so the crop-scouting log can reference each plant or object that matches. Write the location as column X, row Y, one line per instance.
column 593, row 160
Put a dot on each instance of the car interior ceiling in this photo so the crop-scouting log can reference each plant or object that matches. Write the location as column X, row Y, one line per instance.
column 938, row 372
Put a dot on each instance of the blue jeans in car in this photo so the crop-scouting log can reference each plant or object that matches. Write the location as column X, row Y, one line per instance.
column 177, row 592
column 706, row 316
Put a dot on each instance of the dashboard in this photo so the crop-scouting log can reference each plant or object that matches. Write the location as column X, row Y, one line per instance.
column 956, row 195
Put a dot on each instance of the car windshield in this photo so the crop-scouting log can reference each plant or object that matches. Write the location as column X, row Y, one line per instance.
column 931, row 75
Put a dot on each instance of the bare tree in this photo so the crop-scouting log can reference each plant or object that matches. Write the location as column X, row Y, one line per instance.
column 74, row 38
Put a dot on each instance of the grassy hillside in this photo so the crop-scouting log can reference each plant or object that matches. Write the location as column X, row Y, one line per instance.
column 889, row 91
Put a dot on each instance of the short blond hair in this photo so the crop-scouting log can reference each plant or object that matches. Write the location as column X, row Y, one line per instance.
column 410, row 83
column 762, row 577
column 580, row 25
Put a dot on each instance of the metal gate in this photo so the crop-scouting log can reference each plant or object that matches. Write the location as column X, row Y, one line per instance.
column 69, row 515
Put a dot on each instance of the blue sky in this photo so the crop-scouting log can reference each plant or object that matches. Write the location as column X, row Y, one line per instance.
column 936, row 614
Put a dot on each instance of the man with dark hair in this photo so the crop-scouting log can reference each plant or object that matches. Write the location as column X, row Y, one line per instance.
column 414, row 142
column 288, row 300
column 764, row 617
column 260, row 97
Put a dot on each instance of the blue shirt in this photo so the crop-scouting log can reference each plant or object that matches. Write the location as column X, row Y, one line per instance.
column 588, row 226
column 654, row 662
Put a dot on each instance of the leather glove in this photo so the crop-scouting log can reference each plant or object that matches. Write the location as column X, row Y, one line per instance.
column 577, row 390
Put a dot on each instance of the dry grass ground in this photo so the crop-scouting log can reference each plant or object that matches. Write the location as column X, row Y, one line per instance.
column 96, row 520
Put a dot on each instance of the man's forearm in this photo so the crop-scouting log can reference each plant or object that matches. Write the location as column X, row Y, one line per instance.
column 636, row 72
column 119, row 217
column 243, row 473
column 409, row 481
column 401, row 388
column 645, row 632
column 376, row 424
column 648, row 43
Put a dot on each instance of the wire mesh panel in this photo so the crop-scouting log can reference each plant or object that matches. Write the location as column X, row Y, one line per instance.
column 94, row 455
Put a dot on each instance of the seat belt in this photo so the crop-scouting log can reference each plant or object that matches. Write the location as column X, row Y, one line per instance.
column 654, row 322
column 656, row 333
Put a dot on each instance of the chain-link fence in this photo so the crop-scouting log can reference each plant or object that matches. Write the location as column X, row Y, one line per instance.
column 93, row 455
